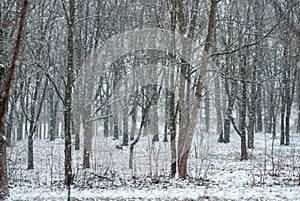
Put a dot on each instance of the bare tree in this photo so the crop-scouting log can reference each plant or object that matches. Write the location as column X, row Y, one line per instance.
column 70, row 15
column 5, row 91
column 186, row 144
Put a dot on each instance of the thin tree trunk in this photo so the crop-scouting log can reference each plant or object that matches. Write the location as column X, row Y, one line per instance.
column 289, row 98
column 228, row 113
column 298, row 96
column 207, row 113
column 106, row 114
column 20, row 127
column 125, row 126
column 166, row 125
column 171, row 95
column 5, row 89
column 68, row 96
column 52, row 118
column 242, row 109
column 133, row 122
column 252, row 112
column 87, row 140
column 218, row 106
column 259, row 109
column 183, row 157
column 9, row 128
column 132, row 145
column 282, row 124
column 154, row 124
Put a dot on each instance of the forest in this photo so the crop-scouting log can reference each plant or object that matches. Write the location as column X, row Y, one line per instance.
column 113, row 99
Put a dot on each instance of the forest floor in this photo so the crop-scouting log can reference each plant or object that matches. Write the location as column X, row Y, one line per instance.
column 215, row 169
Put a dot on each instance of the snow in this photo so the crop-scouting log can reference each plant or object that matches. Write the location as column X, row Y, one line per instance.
column 220, row 175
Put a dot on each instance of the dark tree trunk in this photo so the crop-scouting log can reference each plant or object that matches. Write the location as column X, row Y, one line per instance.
column 244, row 155
column 30, row 152
column 242, row 113
column 282, row 124
column 252, row 111
column 173, row 137
column 290, row 88
column 132, row 145
column 166, row 125
column 272, row 115
column 125, row 127
column 115, row 127
column 259, row 109
column 287, row 123
column 133, row 123
column 20, row 128
column 53, row 113
column 5, row 86
column 87, row 140
column 154, row 123
column 172, row 111
column 230, row 94
column 9, row 127
column 3, row 168
column 298, row 97
column 68, row 96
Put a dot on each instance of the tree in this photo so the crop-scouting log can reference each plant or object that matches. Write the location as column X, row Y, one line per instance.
column 70, row 15
column 186, row 144
column 6, row 84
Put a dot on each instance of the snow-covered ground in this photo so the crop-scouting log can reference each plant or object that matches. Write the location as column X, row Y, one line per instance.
column 217, row 173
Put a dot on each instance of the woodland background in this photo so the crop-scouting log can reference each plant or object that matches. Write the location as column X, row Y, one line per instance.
column 247, row 81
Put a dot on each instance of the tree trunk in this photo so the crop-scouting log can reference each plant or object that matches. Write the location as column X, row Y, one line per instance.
column 183, row 157
column 8, row 132
column 125, row 126
column 68, row 95
column 182, row 164
column 166, row 125
column 282, row 115
column 131, row 149
column 207, row 113
column 115, row 126
column 20, row 128
column 5, row 85
column 4, row 192
column 252, row 111
column 298, row 96
column 230, row 104
column 242, row 112
column 133, row 122
column 154, row 124
column 106, row 114
column 219, row 130
column 290, row 88
column 87, row 139
column 30, row 152
column 171, row 94
column 244, row 155
column 259, row 109
column 52, row 123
